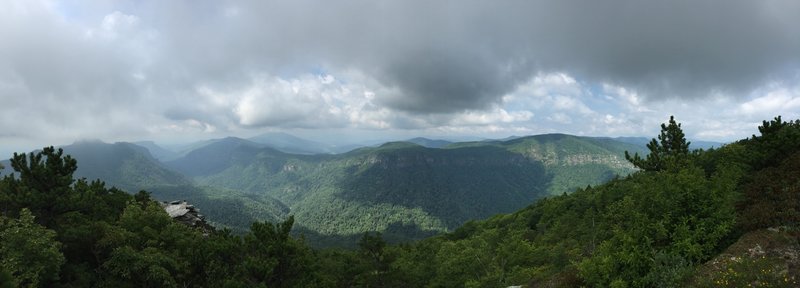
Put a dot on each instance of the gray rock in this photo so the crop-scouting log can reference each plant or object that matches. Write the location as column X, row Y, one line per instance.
column 186, row 214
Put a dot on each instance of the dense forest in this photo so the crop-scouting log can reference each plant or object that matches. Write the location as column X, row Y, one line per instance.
column 679, row 221
column 402, row 189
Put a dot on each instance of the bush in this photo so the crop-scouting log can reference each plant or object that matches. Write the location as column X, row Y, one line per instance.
column 772, row 197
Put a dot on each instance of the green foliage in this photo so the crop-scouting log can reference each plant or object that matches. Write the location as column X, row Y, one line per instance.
column 670, row 147
column 6, row 281
column 778, row 140
column 772, row 196
column 683, row 215
column 29, row 253
column 43, row 184
column 111, row 238
column 377, row 261
column 401, row 189
column 273, row 258
column 646, row 230
column 123, row 165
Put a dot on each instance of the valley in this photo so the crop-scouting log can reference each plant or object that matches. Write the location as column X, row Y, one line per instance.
column 405, row 190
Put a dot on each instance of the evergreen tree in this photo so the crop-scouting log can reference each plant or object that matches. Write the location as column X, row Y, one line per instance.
column 670, row 146
column 44, row 183
column 29, row 253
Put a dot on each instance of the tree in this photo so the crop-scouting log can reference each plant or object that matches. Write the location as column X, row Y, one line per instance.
column 779, row 139
column 671, row 146
column 378, row 260
column 771, row 197
column 274, row 258
column 44, row 183
column 28, row 252
column 372, row 252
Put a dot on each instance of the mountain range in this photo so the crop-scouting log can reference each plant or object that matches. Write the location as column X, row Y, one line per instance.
column 406, row 189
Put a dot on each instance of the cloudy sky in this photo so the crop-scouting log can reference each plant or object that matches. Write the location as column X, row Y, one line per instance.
column 350, row 70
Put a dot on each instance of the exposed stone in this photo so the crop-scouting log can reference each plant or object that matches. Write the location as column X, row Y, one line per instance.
column 186, row 214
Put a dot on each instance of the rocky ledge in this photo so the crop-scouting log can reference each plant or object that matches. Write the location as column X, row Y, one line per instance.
column 186, row 214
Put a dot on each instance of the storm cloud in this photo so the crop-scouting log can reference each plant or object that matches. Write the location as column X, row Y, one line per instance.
column 134, row 68
column 445, row 56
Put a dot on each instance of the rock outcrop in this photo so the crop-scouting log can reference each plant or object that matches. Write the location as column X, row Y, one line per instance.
column 186, row 214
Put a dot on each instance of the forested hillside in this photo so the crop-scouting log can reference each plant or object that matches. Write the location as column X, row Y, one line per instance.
column 660, row 227
column 664, row 226
column 403, row 189
column 132, row 168
column 127, row 166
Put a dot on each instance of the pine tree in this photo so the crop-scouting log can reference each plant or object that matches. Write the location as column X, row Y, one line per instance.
column 671, row 145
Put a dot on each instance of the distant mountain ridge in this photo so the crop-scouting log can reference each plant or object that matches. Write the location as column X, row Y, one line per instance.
column 212, row 157
column 132, row 168
column 694, row 144
column 430, row 143
column 125, row 165
column 404, row 189
column 288, row 143
column 436, row 189
column 158, row 152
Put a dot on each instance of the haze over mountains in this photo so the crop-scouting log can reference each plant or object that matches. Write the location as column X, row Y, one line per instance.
column 407, row 189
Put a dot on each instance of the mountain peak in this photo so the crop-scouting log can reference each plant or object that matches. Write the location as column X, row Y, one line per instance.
column 88, row 141
column 291, row 144
column 398, row 145
column 430, row 143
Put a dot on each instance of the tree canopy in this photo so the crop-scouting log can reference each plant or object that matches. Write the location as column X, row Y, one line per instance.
column 671, row 146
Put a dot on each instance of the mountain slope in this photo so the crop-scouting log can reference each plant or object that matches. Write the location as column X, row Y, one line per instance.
column 292, row 144
column 404, row 189
column 726, row 217
column 131, row 168
column 430, row 143
column 411, row 189
column 124, row 165
column 573, row 161
column 214, row 157
column 156, row 151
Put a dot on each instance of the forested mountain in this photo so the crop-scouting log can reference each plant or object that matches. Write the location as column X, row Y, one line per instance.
column 292, row 144
column 213, row 157
column 430, row 143
column 131, row 168
column 725, row 217
column 404, row 189
column 664, row 226
column 127, row 166
column 573, row 161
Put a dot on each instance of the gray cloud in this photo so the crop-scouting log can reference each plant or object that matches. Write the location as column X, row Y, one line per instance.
column 676, row 48
column 445, row 82
column 447, row 56
column 426, row 59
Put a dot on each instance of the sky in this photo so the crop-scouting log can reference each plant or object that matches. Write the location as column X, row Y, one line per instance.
column 353, row 70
